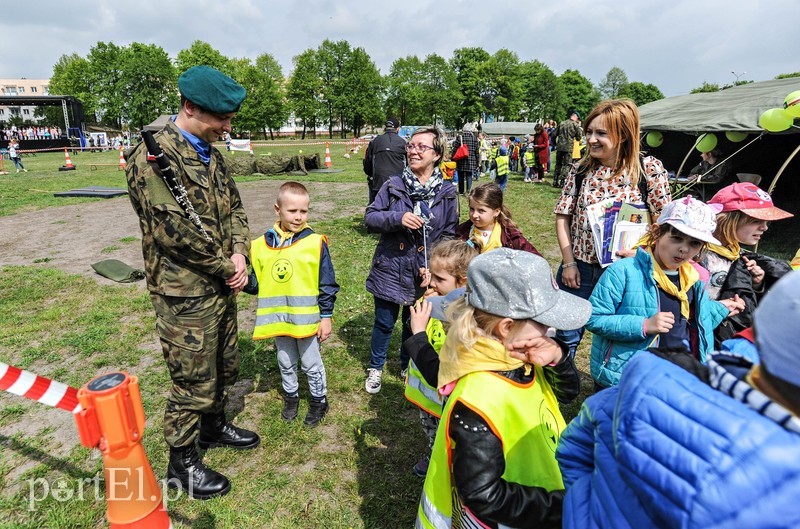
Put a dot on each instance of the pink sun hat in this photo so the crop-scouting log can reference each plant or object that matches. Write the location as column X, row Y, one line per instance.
column 750, row 200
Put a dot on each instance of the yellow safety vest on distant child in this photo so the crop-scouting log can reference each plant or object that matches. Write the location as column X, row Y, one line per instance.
column 529, row 424
column 288, row 287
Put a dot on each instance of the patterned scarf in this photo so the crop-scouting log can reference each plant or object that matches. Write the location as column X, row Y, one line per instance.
column 731, row 252
column 418, row 192
column 688, row 277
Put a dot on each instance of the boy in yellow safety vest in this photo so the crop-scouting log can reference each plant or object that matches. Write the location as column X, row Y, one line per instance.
column 294, row 279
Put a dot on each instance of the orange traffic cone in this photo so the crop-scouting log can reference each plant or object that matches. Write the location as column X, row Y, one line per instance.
column 121, row 159
column 328, row 162
column 67, row 166
column 112, row 419
column 251, row 149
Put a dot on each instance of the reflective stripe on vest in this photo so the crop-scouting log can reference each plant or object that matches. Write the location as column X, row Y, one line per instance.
column 502, row 165
column 417, row 390
column 288, row 287
column 529, row 157
column 526, row 419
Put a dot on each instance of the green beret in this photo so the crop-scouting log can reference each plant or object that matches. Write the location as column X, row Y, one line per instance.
column 211, row 89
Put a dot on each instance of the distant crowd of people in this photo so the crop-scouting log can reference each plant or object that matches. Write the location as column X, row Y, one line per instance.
column 30, row 133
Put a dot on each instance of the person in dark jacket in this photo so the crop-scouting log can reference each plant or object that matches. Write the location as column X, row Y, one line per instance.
column 490, row 225
column 412, row 211
column 466, row 167
column 385, row 157
column 493, row 462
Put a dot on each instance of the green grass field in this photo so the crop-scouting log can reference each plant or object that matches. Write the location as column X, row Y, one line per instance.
column 354, row 471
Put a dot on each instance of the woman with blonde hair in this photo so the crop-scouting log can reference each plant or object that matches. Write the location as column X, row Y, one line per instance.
column 612, row 168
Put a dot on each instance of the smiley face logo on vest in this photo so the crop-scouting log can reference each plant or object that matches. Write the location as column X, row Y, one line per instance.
column 548, row 426
column 282, row 271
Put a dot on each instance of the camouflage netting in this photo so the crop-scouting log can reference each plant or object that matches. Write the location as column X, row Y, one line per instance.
column 273, row 164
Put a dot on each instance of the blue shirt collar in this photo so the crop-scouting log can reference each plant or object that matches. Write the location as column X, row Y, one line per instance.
column 203, row 148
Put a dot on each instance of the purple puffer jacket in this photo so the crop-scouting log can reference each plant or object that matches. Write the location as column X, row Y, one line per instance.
column 394, row 275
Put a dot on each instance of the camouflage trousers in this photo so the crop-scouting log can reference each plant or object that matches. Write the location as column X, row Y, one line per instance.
column 199, row 339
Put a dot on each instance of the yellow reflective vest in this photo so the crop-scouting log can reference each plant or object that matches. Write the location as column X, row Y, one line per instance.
column 417, row 390
column 525, row 417
column 502, row 164
column 288, row 287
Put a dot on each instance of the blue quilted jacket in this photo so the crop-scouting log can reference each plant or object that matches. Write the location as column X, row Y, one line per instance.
column 665, row 450
column 624, row 297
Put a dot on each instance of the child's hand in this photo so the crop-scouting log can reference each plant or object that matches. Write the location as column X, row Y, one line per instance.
column 425, row 274
column 659, row 323
column 420, row 314
column 324, row 330
column 756, row 271
column 735, row 305
column 540, row 351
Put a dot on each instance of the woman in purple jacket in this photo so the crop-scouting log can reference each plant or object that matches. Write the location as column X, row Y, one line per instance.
column 412, row 211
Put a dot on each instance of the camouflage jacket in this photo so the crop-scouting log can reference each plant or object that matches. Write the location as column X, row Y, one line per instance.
column 566, row 133
column 177, row 258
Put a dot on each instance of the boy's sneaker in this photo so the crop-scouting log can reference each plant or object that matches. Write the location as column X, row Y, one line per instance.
column 373, row 383
column 421, row 468
column 317, row 409
column 290, row 405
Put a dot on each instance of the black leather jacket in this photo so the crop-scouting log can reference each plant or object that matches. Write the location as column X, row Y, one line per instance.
column 479, row 463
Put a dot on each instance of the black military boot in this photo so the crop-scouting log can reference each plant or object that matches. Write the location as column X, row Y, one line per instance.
column 290, row 405
column 216, row 431
column 317, row 409
column 187, row 472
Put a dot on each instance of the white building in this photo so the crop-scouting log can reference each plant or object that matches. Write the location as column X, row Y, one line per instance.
column 24, row 88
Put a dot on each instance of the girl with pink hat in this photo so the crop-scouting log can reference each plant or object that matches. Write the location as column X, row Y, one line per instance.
column 746, row 211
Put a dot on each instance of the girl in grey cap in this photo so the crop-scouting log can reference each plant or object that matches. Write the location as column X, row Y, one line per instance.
column 493, row 461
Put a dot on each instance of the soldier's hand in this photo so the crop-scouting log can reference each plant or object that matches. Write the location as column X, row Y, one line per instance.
column 239, row 279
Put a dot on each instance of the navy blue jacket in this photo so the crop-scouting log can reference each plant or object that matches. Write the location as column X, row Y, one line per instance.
column 394, row 275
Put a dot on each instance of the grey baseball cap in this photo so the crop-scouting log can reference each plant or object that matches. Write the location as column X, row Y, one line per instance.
column 520, row 285
column 440, row 303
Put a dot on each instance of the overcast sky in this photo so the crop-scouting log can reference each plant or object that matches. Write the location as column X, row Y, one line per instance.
column 675, row 44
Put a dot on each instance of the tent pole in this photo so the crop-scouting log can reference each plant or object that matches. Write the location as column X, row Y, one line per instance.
column 780, row 171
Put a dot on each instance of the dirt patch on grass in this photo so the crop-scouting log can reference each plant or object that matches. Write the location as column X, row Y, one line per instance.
column 73, row 237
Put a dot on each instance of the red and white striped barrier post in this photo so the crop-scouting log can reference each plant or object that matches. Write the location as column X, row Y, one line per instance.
column 41, row 389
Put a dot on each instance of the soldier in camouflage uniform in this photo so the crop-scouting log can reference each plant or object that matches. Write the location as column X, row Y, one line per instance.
column 194, row 274
column 567, row 132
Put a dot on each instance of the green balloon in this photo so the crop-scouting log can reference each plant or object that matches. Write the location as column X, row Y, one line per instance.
column 792, row 104
column 654, row 138
column 775, row 120
column 735, row 136
column 706, row 142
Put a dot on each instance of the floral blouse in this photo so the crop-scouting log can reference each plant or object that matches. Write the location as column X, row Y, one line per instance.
column 598, row 185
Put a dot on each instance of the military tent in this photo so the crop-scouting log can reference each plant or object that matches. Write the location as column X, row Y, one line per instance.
column 682, row 119
column 159, row 123
column 508, row 128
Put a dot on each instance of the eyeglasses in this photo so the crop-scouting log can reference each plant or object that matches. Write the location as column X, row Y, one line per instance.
column 417, row 147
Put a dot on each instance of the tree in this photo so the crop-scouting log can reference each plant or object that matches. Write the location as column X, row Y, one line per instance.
column 641, row 93
column 613, row 84
column 148, row 83
column 705, row 87
column 304, row 90
column 362, row 87
column 333, row 58
column 200, row 53
column 264, row 109
column 441, row 102
column 500, row 85
column 787, row 75
column 405, row 92
column 106, row 81
column 579, row 94
column 466, row 63
column 70, row 78
column 543, row 94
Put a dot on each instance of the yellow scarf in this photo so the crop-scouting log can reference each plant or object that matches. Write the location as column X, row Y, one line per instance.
column 456, row 361
column 494, row 241
column 286, row 235
column 731, row 253
column 688, row 277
